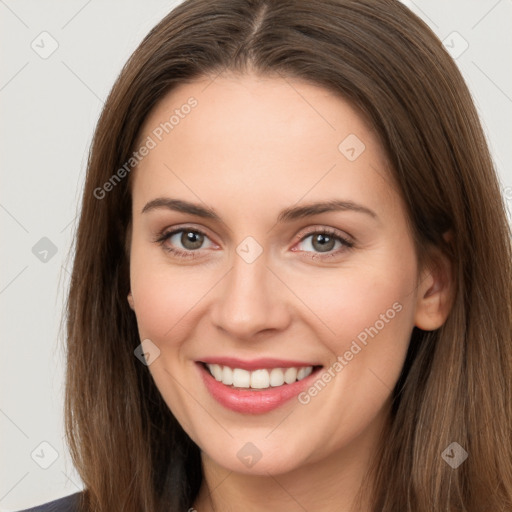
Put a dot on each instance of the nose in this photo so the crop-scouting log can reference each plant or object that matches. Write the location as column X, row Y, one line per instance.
column 250, row 300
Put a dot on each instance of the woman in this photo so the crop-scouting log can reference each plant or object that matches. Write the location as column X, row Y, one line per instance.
column 291, row 288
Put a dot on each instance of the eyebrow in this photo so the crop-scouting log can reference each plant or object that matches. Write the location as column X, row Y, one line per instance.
column 286, row 215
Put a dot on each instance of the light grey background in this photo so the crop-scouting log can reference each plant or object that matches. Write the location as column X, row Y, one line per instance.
column 49, row 105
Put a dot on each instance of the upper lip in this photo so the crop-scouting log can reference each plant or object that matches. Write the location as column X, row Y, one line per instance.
column 255, row 364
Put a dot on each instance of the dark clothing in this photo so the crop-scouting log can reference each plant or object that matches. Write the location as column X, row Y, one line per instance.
column 66, row 504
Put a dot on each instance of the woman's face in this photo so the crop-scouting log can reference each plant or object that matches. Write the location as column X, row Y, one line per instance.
column 264, row 280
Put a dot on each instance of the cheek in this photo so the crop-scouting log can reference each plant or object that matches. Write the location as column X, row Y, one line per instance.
column 168, row 296
column 163, row 298
column 366, row 312
column 365, row 304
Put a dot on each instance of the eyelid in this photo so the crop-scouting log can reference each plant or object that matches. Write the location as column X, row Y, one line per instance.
column 168, row 232
column 311, row 230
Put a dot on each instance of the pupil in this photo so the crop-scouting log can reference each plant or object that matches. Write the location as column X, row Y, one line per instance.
column 325, row 241
column 191, row 240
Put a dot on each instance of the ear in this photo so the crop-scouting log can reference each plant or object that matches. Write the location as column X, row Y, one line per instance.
column 130, row 300
column 435, row 291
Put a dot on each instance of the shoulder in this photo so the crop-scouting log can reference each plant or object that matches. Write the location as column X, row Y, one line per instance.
column 66, row 504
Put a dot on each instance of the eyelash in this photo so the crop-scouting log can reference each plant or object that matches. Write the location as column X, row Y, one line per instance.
column 163, row 236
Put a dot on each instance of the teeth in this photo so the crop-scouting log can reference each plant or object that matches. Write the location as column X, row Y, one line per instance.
column 258, row 379
column 227, row 375
column 241, row 378
column 276, row 377
column 290, row 375
column 304, row 372
column 216, row 372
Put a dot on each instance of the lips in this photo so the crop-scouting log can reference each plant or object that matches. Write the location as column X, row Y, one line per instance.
column 257, row 386
column 256, row 364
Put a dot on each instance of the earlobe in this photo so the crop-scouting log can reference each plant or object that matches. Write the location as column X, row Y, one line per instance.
column 130, row 300
column 434, row 294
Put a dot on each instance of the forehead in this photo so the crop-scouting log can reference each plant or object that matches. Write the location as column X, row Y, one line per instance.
column 259, row 137
column 254, row 110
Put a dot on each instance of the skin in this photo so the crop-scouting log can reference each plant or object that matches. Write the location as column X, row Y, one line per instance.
column 250, row 148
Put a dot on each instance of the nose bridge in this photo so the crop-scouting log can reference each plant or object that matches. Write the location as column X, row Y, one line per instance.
column 250, row 300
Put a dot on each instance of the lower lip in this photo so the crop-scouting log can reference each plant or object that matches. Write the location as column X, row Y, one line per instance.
column 250, row 401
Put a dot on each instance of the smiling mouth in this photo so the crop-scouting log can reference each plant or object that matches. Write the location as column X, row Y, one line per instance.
column 263, row 378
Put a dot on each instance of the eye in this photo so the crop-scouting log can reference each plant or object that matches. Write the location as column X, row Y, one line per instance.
column 322, row 242
column 187, row 242
column 189, row 239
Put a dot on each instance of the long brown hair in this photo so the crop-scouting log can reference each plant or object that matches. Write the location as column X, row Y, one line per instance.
column 129, row 450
